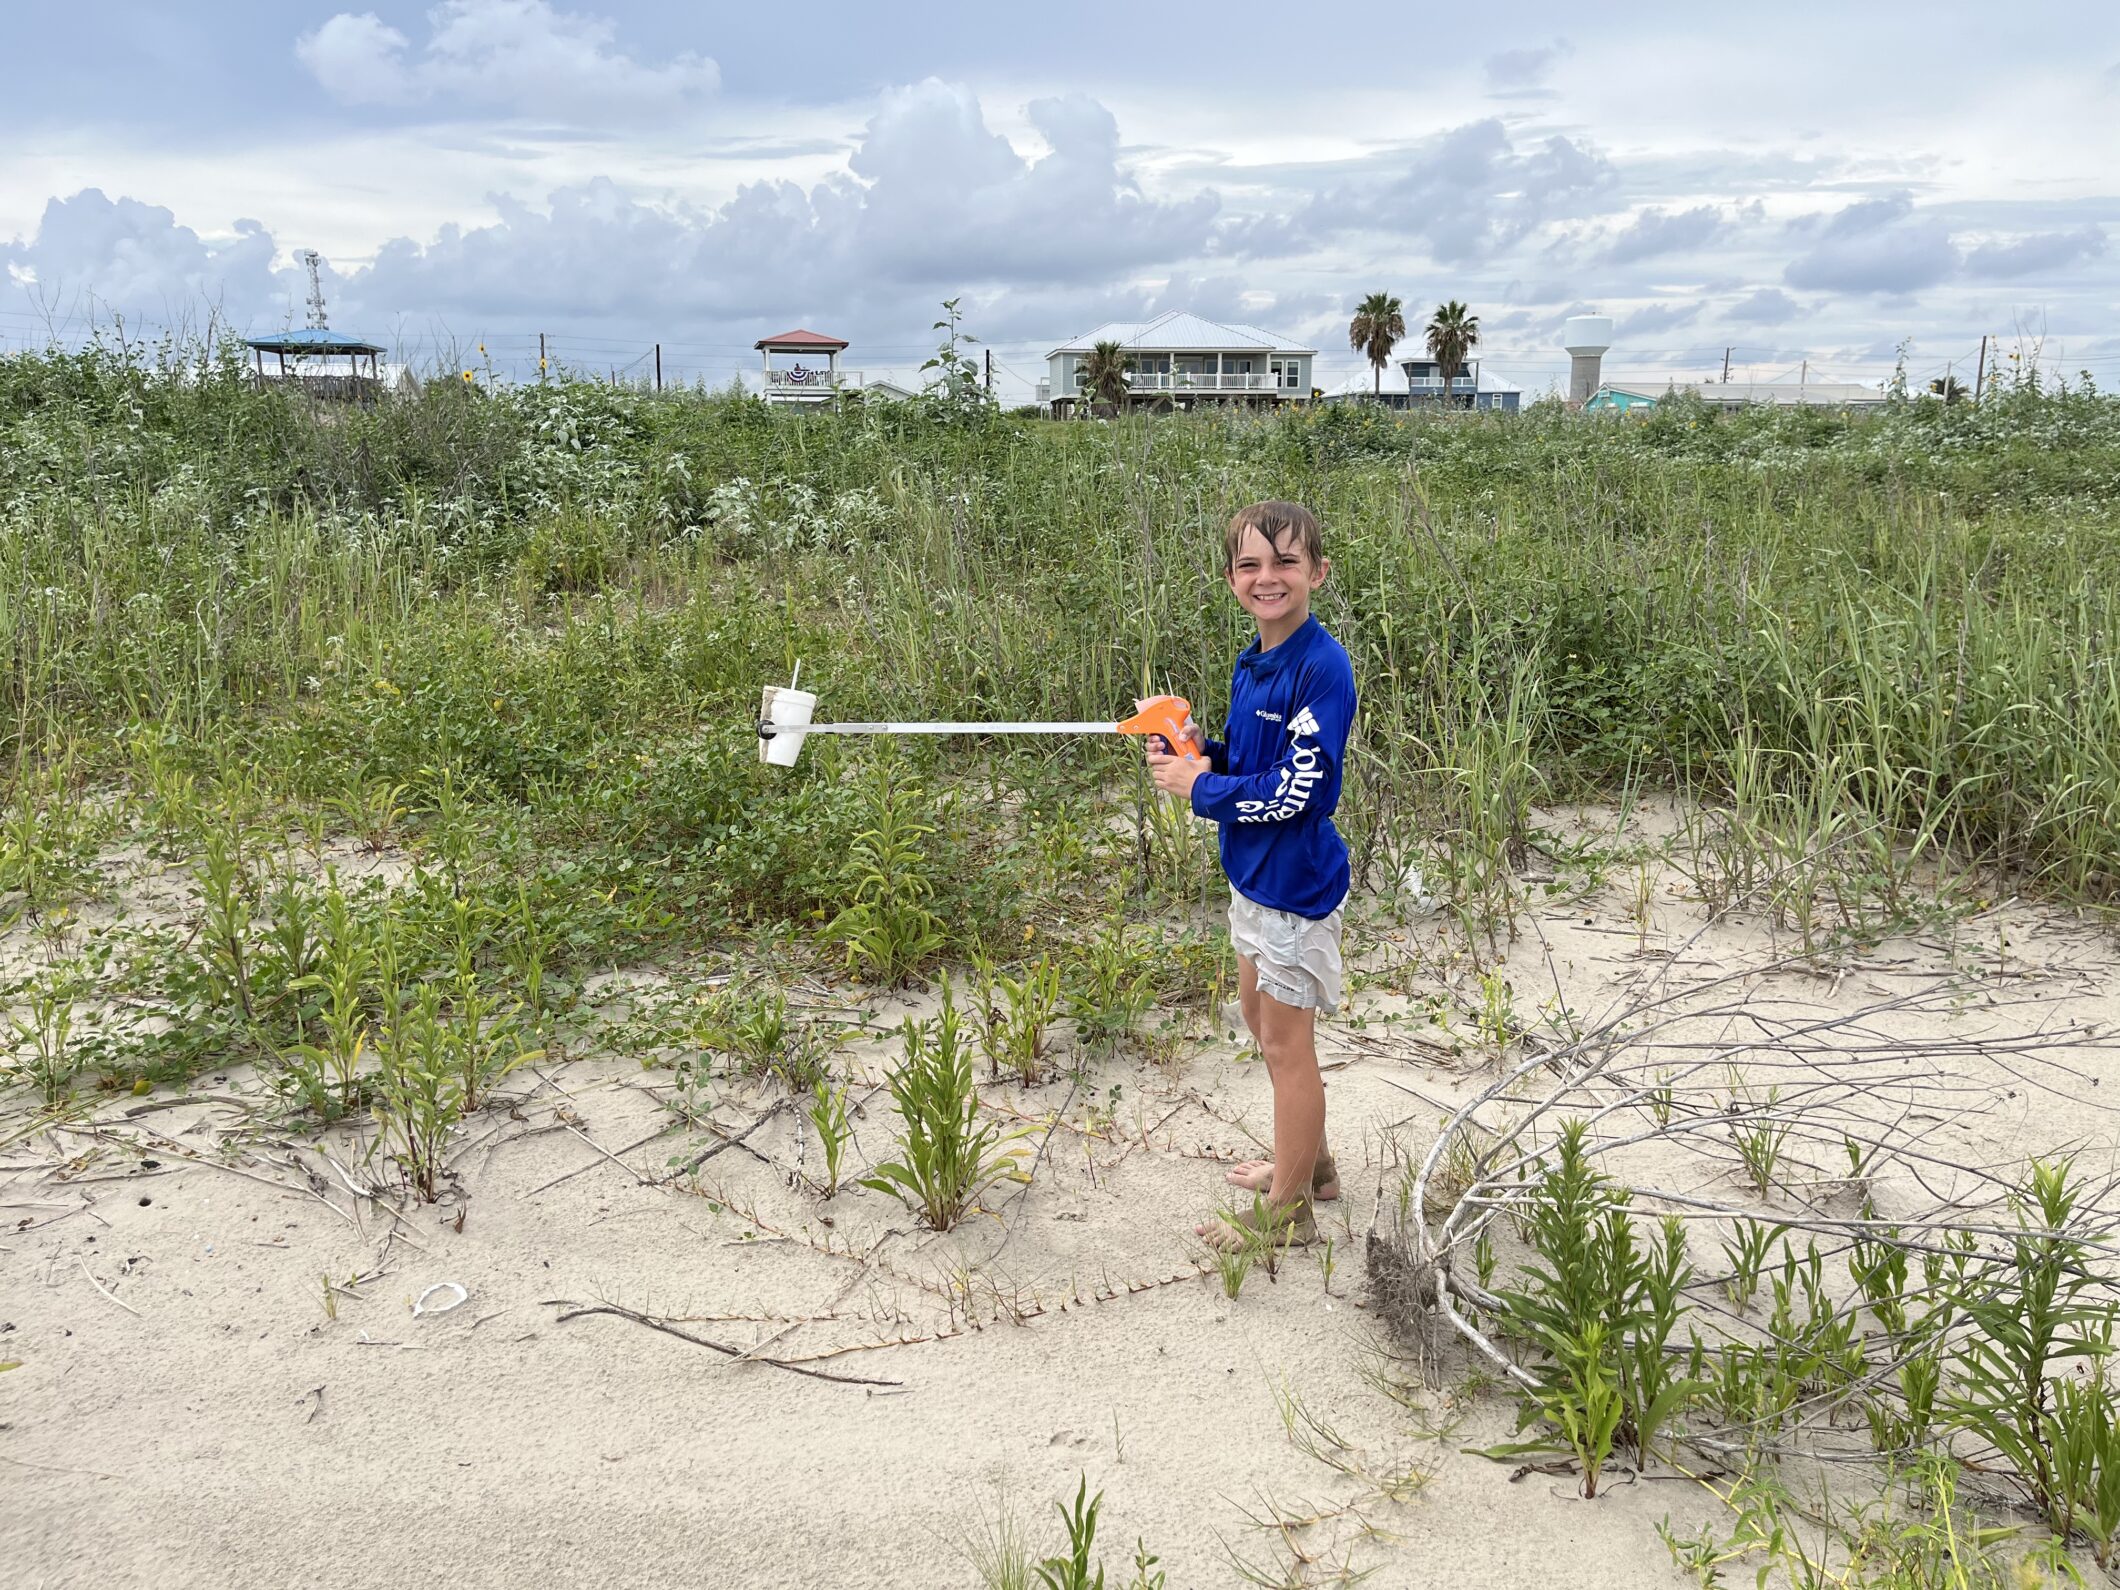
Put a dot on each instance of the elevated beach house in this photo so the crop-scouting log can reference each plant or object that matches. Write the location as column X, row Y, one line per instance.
column 1181, row 360
column 1470, row 388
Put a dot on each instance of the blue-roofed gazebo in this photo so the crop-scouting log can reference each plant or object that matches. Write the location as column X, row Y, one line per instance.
column 313, row 342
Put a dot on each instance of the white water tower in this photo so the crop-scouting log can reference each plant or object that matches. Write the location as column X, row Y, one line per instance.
column 1586, row 337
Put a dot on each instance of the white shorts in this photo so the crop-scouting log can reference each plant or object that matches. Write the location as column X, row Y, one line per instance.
column 1298, row 958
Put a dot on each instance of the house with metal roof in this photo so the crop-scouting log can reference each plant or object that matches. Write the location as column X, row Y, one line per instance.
column 1181, row 360
column 312, row 350
column 1471, row 388
column 800, row 377
column 1630, row 395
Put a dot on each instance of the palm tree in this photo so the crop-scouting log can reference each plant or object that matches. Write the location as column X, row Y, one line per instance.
column 1104, row 374
column 1452, row 333
column 1379, row 321
column 1949, row 388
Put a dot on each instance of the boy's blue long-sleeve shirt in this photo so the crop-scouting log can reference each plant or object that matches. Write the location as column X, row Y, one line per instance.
column 1276, row 781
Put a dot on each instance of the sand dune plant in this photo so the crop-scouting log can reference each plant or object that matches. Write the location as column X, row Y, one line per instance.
column 2086, row 1443
column 1760, row 1130
column 947, row 1153
column 1014, row 1015
column 419, row 1090
column 827, row 1112
column 48, row 834
column 1233, row 1262
column 1916, row 1535
column 227, row 891
column 1072, row 1571
column 1111, row 986
column 889, row 928
column 2040, row 1311
column 45, row 1056
column 325, row 1070
column 1600, row 1312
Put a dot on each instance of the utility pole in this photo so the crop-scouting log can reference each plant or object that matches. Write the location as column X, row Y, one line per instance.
column 540, row 356
column 1803, row 378
column 990, row 372
column 1981, row 374
column 1726, row 367
column 658, row 367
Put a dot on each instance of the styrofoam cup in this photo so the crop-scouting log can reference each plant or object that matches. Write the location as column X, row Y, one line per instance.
column 787, row 710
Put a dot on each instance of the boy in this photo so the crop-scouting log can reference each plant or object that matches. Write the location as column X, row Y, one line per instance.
column 1273, row 788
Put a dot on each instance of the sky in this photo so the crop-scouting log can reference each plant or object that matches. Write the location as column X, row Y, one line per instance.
column 1809, row 186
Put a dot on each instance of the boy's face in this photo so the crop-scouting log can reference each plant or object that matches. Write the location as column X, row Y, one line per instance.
column 1273, row 583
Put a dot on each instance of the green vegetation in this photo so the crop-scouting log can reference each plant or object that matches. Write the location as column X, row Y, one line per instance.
column 948, row 1153
column 429, row 711
column 1998, row 1355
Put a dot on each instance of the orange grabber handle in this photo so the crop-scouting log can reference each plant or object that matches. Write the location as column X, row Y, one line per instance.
column 1164, row 715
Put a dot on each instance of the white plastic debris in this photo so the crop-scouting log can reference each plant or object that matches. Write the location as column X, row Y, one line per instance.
column 1415, row 888
column 419, row 1304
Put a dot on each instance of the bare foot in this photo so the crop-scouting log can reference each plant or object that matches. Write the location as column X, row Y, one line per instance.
column 1256, row 1175
column 1284, row 1225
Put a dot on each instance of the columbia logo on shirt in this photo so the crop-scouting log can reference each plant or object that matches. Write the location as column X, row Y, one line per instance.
column 1298, row 779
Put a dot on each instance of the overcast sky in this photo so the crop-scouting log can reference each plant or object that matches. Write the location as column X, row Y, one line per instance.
column 1799, row 181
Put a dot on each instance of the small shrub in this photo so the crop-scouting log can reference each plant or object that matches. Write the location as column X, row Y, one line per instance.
column 828, row 1114
column 947, row 1152
column 889, row 928
column 1112, row 987
column 1014, row 1014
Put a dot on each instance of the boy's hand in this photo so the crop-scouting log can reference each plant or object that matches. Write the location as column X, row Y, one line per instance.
column 1196, row 741
column 1174, row 775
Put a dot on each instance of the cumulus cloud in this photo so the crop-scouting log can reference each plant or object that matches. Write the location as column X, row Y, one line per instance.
column 1765, row 306
column 1467, row 193
column 1656, row 232
column 1521, row 74
column 1873, row 246
column 1654, row 318
column 933, row 202
column 135, row 258
column 358, row 59
column 2037, row 251
column 518, row 55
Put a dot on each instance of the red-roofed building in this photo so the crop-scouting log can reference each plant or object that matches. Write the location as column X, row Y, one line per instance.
column 802, row 380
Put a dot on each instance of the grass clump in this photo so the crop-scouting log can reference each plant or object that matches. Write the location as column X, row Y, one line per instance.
column 947, row 1152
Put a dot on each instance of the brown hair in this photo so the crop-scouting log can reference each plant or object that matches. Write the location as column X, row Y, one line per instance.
column 1274, row 521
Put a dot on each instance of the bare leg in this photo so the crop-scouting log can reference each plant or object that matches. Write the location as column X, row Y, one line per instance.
column 1288, row 1039
column 1256, row 1175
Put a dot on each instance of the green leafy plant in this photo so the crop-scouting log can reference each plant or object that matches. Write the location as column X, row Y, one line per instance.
column 1746, row 1249
column 889, row 927
column 325, row 1071
column 1233, row 1262
column 1601, row 1314
column 419, row 1089
column 226, row 893
column 1072, row 1571
column 948, row 1153
column 827, row 1112
column 1014, row 1015
column 45, row 1055
column 2037, row 1313
column 1760, row 1132
column 1112, row 987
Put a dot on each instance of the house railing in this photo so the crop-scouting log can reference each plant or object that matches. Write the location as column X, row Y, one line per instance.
column 1205, row 381
column 810, row 378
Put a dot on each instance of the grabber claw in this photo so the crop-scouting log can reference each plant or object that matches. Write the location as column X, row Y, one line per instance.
column 1167, row 716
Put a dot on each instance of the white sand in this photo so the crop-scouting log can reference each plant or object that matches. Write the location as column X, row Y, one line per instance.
column 206, row 1424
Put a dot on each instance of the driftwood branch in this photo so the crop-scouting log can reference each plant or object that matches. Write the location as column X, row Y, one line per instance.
column 576, row 1311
